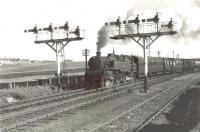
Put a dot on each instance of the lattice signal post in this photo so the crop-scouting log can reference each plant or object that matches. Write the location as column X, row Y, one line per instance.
column 57, row 38
column 143, row 31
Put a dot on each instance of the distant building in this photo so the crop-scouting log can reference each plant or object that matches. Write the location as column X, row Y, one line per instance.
column 68, row 61
column 25, row 61
column 14, row 61
column 41, row 61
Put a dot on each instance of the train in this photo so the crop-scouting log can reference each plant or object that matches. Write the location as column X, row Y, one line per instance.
column 114, row 69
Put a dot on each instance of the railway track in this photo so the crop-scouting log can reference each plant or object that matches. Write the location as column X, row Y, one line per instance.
column 45, row 99
column 15, row 105
column 8, row 121
column 54, row 97
column 147, row 110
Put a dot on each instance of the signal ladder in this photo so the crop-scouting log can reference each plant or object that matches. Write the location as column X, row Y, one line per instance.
column 148, row 51
column 64, row 63
column 148, row 48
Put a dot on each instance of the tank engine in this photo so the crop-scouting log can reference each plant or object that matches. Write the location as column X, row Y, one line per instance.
column 112, row 68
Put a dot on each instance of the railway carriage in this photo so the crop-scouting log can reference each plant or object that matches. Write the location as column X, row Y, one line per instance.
column 178, row 65
column 155, row 66
column 168, row 65
column 188, row 64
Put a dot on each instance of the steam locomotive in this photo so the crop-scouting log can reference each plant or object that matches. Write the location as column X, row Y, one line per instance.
column 120, row 68
column 108, row 68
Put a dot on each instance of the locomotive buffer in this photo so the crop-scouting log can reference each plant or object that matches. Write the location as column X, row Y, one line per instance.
column 57, row 38
column 144, row 32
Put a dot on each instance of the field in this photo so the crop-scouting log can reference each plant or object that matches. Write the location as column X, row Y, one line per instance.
column 37, row 67
column 13, row 71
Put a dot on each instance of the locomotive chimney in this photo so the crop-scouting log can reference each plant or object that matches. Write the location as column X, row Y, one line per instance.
column 98, row 54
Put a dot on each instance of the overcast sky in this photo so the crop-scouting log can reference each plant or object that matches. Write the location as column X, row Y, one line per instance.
column 17, row 15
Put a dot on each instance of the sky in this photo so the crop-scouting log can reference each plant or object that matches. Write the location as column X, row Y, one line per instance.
column 90, row 15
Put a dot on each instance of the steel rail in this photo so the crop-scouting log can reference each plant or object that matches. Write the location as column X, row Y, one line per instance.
column 73, row 107
column 157, row 113
column 19, row 113
column 102, row 126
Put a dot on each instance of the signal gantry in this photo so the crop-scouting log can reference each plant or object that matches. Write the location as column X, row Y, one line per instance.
column 57, row 38
column 143, row 31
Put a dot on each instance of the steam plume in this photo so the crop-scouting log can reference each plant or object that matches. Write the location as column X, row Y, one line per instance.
column 187, row 31
column 102, row 38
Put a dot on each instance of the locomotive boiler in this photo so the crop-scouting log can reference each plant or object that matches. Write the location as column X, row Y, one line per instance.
column 94, row 73
column 110, row 69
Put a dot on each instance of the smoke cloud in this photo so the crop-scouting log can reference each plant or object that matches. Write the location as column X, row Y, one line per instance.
column 102, row 38
column 130, row 15
column 187, row 31
column 197, row 3
column 190, row 28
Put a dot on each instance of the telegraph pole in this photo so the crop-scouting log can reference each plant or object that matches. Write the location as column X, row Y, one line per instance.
column 56, row 38
column 158, row 53
column 173, row 61
column 144, row 32
column 177, row 56
column 85, row 53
